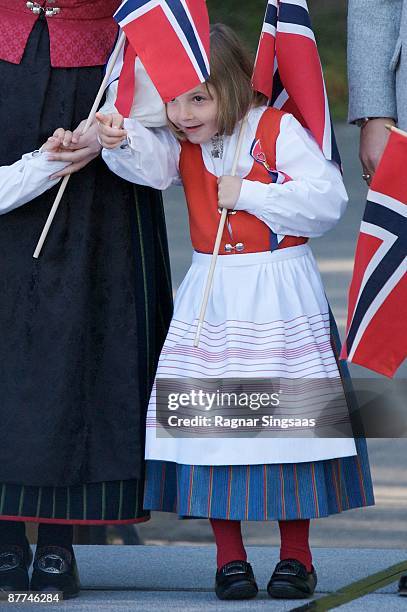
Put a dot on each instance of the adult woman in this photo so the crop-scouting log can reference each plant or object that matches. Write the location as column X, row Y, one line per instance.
column 80, row 329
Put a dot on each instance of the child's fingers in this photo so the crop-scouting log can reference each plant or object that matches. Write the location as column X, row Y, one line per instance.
column 67, row 138
column 59, row 133
column 77, row 133
column 52, row 144
column 104, row 119
column 117, row 121
column 110, row 143
column 112, row 132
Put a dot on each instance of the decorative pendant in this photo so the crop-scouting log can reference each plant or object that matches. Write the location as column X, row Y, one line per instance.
column 217, row 146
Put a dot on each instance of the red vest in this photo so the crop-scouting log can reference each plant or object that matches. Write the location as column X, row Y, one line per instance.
column 242, row 229
column 82, row 33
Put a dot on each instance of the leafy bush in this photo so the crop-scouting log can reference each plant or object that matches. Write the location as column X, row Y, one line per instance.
column 329, row 22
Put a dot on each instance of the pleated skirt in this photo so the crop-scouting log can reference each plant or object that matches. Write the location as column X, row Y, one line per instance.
column 261, row 492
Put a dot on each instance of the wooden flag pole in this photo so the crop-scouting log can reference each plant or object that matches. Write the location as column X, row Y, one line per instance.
column 221, row 226
column 89, row 122
column 393, row 128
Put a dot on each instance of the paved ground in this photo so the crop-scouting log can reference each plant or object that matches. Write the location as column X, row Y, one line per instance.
column 175, row 578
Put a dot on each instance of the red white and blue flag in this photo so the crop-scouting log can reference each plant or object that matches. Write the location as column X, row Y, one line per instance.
column 171, row 38
column 288, row 70
column 377, row 311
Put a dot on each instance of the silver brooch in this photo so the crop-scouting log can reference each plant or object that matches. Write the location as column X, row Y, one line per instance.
column 217, row 146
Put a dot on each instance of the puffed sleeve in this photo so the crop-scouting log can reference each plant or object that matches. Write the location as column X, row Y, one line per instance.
column 147, row 106
column 26, row 179
column 148, row 157
column 308, row 205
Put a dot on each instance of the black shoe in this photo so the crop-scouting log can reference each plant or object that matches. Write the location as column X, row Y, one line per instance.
column 55, row 570
column 235, row 580
column 403, row 585
column 290, row 580
column 14, row 564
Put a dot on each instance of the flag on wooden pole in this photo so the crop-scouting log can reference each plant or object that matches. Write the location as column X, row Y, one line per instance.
column 289, row 72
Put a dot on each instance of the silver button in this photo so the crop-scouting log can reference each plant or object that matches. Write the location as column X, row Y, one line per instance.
column 228, row 248
column 50, row 12
column 239, row 247
column 34, row 7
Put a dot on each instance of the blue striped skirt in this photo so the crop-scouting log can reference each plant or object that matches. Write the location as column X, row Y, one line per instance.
column 261, row 492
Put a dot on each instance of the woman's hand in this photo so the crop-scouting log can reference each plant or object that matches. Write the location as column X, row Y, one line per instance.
column 229, row 191
column 373, row 139
column 76, row 148
column 110, row 130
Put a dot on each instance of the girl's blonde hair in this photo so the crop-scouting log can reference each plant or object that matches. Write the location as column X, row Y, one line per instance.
column 231, row 67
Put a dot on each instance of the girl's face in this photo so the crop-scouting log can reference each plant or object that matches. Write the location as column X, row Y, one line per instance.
column 195, row 113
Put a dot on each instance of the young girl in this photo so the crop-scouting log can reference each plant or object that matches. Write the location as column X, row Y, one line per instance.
column 31, row 175
column 267, row 315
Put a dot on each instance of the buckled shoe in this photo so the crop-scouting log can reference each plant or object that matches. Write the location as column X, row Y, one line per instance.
column 55, row 570
column 235, row 580
column 290, row 580
column 14, row 564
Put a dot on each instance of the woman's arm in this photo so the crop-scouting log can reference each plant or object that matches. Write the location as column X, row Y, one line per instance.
column 148, row 156
column 308, row 205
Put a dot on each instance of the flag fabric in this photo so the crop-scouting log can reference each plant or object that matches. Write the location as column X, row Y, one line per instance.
column 171, row 37
column 377, row 311
column 123, row 71
column 289, row 72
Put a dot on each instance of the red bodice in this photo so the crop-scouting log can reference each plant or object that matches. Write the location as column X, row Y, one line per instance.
column 82, row 32
column 242, row 230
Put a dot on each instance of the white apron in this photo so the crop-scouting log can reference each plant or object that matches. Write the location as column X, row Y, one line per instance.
column 267, row 316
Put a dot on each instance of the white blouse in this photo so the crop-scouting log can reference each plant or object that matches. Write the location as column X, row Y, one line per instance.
column 309, row 205
column 26, row 179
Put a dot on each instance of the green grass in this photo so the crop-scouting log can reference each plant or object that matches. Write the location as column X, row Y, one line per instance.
column 329, row 22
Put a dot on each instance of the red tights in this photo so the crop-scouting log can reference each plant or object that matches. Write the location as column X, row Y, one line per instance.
column 294, row 541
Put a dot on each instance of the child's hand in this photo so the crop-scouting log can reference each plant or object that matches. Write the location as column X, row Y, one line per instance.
column 229, row 191
column 75, row 149
column 56, row 142
column 52, row 145
column 110, row 130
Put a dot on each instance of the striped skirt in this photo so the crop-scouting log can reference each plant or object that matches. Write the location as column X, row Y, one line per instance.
column 86, row 504
column 261, row 492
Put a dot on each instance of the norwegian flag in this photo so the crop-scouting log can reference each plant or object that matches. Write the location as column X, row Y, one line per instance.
column 377, row 311
column 171, row 37
column 288, row 70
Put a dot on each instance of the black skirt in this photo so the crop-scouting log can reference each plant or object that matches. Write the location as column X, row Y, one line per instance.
column 81, row 327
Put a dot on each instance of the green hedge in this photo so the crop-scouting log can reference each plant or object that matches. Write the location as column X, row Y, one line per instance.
column 329, row 22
